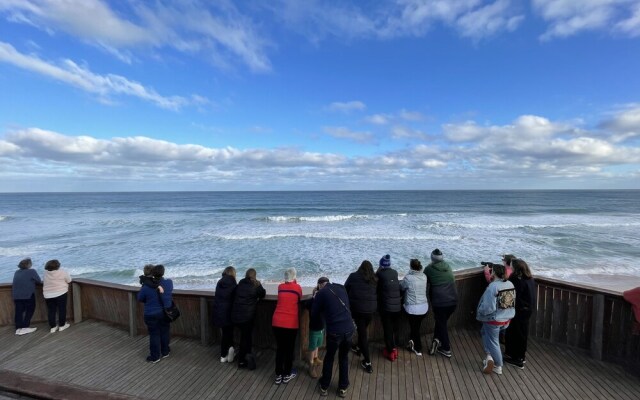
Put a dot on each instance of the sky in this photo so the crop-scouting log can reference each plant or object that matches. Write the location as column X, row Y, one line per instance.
column 135, row 95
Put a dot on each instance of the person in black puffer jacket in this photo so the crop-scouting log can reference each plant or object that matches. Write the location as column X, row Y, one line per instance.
column 362, row 290
column 225, row 291
column 389, row 305
column 248, row 292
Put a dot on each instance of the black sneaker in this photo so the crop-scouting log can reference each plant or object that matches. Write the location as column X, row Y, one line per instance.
column 516, row 362
column 324, row 391
column 342, row 392
column 446, row 353
column 152, row 361
column 434, row 346
column 288, row 378
column 278, row 379
column 367, row 366
column 356, row 349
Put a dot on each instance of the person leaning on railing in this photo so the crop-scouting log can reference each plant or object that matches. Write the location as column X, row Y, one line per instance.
column 55, row 289
column 221, row 313
column 24, row 296
column 518, row 331
column 414, row 286
column 441, row 286
column 243, row 313
column 363, row 299
column 156, row 294
column 285, row 325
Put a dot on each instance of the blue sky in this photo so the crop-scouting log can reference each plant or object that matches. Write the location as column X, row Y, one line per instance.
column 298, row 95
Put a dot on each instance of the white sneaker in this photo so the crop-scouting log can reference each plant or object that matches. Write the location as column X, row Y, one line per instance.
column 19, row 331
column 231, row 355
column 54, row 329
column 65, row 326
column 28, row 330
column 223, row 359
column 497, row 370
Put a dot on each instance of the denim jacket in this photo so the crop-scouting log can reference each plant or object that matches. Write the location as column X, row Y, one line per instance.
column 498, row 303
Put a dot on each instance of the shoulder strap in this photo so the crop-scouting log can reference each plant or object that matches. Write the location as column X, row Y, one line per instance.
column 339, row 299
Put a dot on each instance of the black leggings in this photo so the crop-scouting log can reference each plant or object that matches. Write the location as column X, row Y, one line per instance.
column 362, row 323
column 414, row 326
column 226, row 341
column 286, row 343
column 57, row 305
column 441, row 332
column 391, row 329
column 517, row 336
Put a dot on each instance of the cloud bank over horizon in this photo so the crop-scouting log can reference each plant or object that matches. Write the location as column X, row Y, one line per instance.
column 531, row 150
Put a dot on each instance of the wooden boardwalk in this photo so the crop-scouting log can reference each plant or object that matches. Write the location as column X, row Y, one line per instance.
column 95, row 355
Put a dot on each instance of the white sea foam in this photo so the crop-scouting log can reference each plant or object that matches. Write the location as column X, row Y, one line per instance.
column 330, row 218
column 373, row 236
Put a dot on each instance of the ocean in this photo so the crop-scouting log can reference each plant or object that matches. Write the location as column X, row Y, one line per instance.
column 195, row 235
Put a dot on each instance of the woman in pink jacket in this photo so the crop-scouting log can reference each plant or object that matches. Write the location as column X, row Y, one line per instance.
column 55, row 288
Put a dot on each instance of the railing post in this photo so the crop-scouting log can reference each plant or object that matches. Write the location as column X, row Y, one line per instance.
column 133, row 317
column 77, row 302
column 204, row 321
column 597, row 326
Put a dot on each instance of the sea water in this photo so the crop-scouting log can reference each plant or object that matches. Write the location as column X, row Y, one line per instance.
column 195, row 235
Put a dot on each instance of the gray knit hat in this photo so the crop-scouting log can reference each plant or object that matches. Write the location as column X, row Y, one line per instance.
column 437, row 255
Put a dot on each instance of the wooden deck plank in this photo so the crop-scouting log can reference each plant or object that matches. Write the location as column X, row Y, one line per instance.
column 97, row 356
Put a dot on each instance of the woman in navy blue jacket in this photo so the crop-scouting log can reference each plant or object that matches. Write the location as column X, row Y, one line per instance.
column 156, row 294
column 248, row 292
column 225, row 292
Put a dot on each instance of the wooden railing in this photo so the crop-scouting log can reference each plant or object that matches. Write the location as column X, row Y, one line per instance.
column 595, row 320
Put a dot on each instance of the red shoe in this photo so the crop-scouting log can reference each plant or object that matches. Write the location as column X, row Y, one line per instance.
column 394, row 354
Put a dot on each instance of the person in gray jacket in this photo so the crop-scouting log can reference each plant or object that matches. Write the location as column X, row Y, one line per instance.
column 414, row 286
column 496, row 309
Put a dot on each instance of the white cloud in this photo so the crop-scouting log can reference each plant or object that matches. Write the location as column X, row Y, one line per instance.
column 214, row 29
column 488, row 20
column 403, row 132
column 570, row 17
column 530, row 150
column 377, row 119
column 105, row 86
column 347, row 107
column 345, row 133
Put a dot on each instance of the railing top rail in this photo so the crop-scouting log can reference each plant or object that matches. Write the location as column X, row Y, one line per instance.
column 460, row 274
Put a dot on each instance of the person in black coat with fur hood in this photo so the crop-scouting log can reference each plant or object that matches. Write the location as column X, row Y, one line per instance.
column 248, row 292
column 223, row 299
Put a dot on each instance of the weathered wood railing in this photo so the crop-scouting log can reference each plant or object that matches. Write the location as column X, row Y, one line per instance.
column 595, row 320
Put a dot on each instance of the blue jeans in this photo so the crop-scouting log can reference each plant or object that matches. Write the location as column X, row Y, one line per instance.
column 491, row 341
column 342, row 343
column 159, row 337
column 24, row 311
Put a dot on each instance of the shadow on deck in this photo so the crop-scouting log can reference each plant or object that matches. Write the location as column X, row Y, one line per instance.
column 97, row 357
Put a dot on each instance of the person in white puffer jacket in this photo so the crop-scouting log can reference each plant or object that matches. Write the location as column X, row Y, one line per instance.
column 414, row 287
column 55, row 289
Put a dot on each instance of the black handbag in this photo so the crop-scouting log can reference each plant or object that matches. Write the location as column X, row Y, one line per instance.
column 172, row 312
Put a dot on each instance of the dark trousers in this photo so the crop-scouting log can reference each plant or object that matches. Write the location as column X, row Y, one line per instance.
column 226, row 340
column 414, row 327
column 246, row 339
column 159, row 335
column 342, row 343
column 391, row 328
column 286, row 343
column 59, row 305
column 362, row 323
column 441, row 332
column 24, row 311
column 517, row 335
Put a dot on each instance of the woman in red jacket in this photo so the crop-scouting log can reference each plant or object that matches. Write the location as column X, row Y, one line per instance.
column 285, row 326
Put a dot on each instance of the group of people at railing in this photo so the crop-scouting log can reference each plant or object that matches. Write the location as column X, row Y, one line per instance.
column 337, row 313
column 55, row 287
